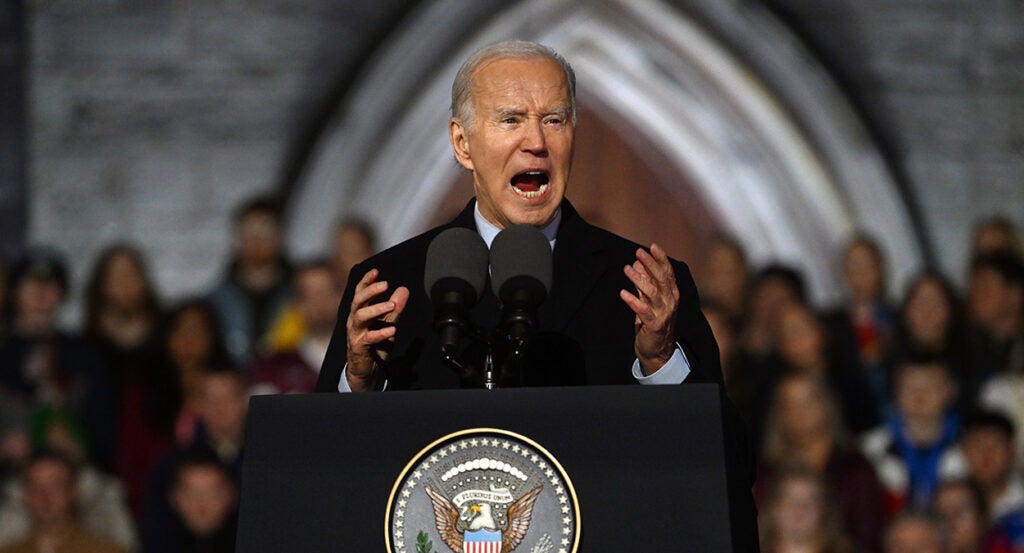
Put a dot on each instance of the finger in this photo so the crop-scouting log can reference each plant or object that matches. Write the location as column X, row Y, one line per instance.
column 657, row 265
column 639, row 268
column 372, row 312
column 365, row 294
column 644, row 285
column 665, row 276
column 383, row 334
column 400, row 298
column 641, row 308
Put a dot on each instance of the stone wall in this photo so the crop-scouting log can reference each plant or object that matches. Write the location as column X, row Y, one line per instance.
column 150, row 120
column 942, row 84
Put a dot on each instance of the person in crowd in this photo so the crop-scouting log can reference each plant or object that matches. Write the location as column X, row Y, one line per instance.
column 256, row 287
column 50, row 491
column 960, row 505
column 725, row 278
column 100, row 501
column 916, row 447
column 296, row 371
column 121, row 306
column 798, row 516
column 773, row 287
column 741, row 386
column 354, row 242
column 1004, row 393
column 803, row 346
column 222, row 403
column 996, row 234
column 995, row 302
column 804, row 428
column 930, row 322
column 43, row 368
column 988, row 447
column 915, row 531
column 861, row 329
column 757, row 363
column 204, row 497
column 122, row 322
column 191, row 343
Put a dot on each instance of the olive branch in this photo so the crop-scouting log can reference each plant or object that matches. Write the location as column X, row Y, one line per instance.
column 423, row 544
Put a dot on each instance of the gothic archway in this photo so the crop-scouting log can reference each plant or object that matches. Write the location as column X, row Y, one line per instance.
column 739, row 128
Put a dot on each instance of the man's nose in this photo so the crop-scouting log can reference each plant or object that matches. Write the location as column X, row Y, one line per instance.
column 534, row 140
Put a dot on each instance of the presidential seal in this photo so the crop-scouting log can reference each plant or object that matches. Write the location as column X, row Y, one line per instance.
column 483, row 490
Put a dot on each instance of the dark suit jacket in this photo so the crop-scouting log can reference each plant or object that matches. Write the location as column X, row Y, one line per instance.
column 585, row 335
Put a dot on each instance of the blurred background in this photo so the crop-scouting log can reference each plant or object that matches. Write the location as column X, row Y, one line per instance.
column 242, row 154
column 789, row 124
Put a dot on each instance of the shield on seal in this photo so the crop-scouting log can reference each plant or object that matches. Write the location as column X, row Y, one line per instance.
column 482, row 541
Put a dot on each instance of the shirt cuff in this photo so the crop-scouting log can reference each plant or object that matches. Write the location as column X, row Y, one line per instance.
column 673, row 372
column 343, row 386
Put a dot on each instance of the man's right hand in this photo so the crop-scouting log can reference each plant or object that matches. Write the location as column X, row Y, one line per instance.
column 371, row 329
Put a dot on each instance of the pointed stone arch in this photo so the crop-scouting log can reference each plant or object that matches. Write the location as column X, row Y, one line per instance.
column 717, row 93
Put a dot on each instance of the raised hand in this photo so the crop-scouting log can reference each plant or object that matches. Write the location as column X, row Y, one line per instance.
column 371, row 328
column 655, row 304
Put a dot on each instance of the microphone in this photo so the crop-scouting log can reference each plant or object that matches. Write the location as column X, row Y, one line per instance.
column 521, row 277
column 455, row 276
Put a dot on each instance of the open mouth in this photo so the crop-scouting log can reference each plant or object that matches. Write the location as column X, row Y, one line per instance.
column 531, row 184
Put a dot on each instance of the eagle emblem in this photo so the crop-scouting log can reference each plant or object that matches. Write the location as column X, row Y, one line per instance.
column 472, row 529
column 483, row 490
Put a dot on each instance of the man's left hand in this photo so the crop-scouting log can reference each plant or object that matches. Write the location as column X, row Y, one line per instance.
column 655, row 304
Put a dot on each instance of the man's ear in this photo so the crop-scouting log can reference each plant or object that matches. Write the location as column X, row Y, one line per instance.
column 460, row 143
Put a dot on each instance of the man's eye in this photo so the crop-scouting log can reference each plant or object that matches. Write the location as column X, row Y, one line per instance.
column 554, row 121
column 509, row 120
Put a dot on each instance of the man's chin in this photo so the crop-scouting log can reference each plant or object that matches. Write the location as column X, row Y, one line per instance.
column 539, row 219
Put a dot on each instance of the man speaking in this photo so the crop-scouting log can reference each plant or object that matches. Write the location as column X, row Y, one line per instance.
column 615, row 313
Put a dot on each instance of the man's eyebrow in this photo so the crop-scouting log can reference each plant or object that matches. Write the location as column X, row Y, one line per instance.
column 507, row 111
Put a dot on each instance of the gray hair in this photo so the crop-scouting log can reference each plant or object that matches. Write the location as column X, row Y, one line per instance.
column 462, row 106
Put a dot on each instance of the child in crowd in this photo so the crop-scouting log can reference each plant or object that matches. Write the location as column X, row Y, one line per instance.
column 204, row 498
column 222, row 403
column 987, row 444
column 917, row 447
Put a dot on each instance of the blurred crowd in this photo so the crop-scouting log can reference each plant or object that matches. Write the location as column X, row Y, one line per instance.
column 880, row 426
column 128, row 435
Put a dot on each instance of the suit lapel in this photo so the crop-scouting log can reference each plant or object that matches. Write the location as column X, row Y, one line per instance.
column 578, row 262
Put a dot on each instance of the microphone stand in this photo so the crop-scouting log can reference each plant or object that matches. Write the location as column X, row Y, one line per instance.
column 490, row 377
column 490, row 382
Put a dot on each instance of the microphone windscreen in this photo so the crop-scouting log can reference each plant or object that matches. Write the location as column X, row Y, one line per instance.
column 457, row 253
column 520, row 250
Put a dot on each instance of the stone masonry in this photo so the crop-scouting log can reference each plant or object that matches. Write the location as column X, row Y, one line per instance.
column 150, row 120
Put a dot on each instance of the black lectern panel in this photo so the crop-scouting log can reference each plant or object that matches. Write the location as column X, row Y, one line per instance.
column 646, row 462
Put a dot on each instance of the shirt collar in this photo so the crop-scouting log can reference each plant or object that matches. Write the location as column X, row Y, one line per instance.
column 488, row 231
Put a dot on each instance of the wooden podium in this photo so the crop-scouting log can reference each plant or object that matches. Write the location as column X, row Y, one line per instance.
column 647, row 463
